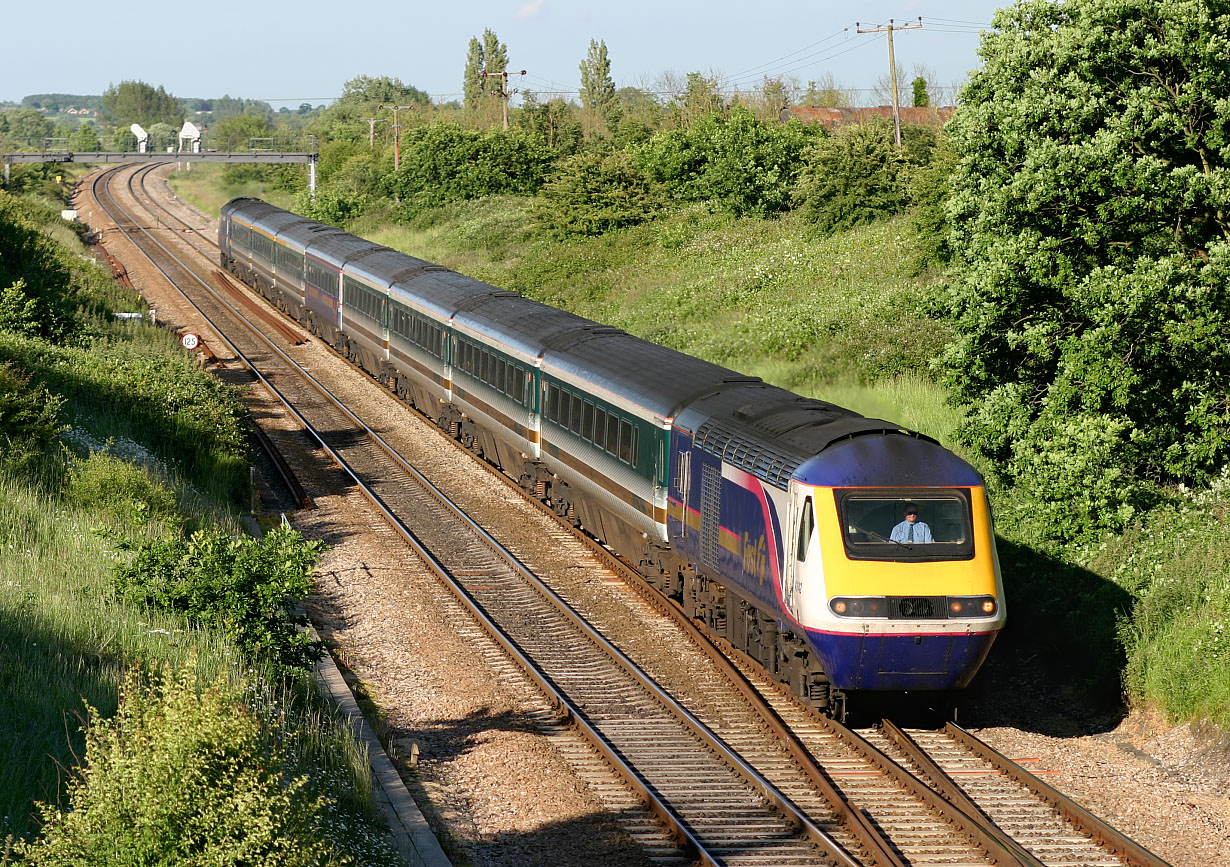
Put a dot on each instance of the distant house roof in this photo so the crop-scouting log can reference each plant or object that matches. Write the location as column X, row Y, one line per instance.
column 831, row 118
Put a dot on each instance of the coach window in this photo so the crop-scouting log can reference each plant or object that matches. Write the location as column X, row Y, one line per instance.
column 587, row 422
column 552, row 403
column 600, row 427
column 574, row 423
column 626, row 432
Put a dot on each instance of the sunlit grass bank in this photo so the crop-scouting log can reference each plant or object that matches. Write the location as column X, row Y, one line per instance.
column 112, row 439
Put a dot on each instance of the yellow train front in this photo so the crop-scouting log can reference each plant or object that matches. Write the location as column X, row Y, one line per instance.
column 852, row 554
column 903, row 591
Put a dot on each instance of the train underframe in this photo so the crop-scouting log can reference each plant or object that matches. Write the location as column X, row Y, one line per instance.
column 787, row 657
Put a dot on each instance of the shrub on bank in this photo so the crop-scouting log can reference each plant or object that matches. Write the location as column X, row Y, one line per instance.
column 240, row 586
column 182, row 775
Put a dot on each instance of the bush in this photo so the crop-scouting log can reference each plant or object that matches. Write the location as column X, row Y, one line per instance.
column 29, row 418
column 121, row 490
column 738, row 163
column 593, row 193
column 181, row 778
column 854, row 177
column 444, row 163
column 241, row 586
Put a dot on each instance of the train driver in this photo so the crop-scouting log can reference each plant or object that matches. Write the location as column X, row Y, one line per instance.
column 911, row 529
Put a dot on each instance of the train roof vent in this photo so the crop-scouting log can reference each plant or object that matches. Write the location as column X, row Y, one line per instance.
column 763, row 462
column 412, row 270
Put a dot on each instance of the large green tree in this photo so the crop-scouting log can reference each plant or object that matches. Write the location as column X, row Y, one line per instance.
column 132, row 102
column 383, row 89
column 1091, row 215
column 473, row 84
column 26, row 127
column 597, row 86
column 235, row 131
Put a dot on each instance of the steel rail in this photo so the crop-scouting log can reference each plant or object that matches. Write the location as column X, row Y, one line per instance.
column 954, row 794
column 1114, row 840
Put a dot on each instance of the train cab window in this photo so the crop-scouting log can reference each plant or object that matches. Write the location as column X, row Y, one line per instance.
column 875, row 526
column 807, row 526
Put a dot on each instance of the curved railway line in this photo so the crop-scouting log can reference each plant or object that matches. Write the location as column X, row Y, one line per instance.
column 723, row 763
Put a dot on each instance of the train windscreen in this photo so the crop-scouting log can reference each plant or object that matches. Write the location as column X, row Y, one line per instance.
column 927, row 524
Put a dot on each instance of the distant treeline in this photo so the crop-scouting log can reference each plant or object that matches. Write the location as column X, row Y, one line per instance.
column 57, row 102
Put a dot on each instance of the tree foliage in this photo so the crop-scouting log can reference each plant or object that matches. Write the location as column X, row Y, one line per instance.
column 597, row 86
column 132, row 102
column 444, row 162
column 592, row 193
column 25, row 128
column 235, row 131
column 1091, row 215
column 853, row 177
column 554, row 122
column 473, row 80
column 382, row 89
column 736, row 162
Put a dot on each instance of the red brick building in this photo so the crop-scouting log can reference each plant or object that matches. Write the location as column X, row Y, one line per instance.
column 831, row 118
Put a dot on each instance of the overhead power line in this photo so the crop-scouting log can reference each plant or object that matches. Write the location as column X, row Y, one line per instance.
column 892, row 67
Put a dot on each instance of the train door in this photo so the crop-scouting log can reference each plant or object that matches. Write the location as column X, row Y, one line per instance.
column 683, row 482
column 803, row 548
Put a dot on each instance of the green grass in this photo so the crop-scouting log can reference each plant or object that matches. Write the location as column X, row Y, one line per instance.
column 203, row 187
column 65, row 641
column 755, row 295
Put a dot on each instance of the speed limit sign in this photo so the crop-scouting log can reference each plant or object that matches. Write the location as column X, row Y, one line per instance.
column 190, row 341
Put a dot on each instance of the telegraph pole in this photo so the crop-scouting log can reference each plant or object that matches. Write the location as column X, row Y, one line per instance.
column 396, row 134
column 505, row 94
column 892, row 67
column 371, row 129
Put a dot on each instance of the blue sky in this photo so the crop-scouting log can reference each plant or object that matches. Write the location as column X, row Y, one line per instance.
column 293, row 53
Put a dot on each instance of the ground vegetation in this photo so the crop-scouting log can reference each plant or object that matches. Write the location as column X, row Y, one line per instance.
column 152, row 682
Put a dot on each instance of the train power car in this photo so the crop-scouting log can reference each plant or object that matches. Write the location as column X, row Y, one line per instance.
column 777, row 520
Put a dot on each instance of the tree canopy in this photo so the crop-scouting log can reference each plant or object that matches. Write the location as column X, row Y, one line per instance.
column 1091, row 215
column 597, row 86
column 137, row 102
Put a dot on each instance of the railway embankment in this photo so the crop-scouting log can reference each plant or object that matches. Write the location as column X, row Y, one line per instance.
column 124, row 662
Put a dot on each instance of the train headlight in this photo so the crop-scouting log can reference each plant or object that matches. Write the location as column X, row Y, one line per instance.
column 972, row 606
column 859, row 606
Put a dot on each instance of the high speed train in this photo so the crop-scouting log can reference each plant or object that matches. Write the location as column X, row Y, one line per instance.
column 771, row 517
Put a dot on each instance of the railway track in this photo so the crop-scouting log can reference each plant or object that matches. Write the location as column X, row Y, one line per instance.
column 776, row 784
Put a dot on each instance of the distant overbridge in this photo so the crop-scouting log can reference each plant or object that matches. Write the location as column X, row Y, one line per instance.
column 265, row 156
